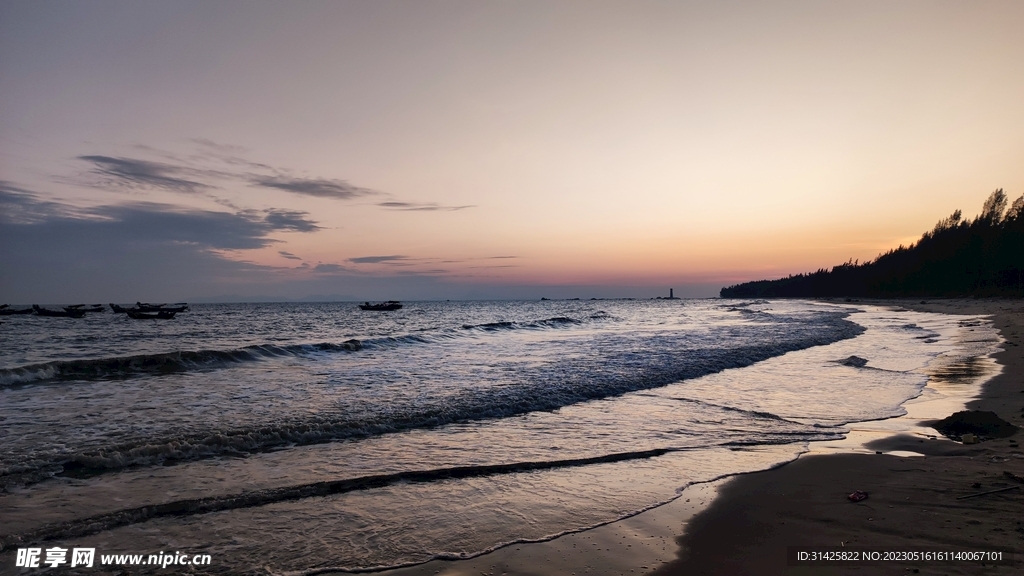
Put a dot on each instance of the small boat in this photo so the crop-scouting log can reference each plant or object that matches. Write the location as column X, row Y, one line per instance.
column 118, row 309
column 72, row 313
column 136, row 315
column 5, row 311
column 381, row 307
column 83, row 308
column 146, row 307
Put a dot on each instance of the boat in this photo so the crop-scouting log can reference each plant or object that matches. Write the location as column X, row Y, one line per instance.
column 72, row 313
column 118, row 309
column 5, row 311
column 83, row 308
column 146, row 307
column 162, row 315
column 381, row 307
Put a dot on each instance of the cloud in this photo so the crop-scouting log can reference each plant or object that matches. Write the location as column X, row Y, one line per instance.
column 215, row 166
column 10, row 188
column 161, row 223
column 226, row 153
column 500, row 257
column 21, row 206
column 288, row 255
column 377, row 259
column 127, row 250
column 319, row 188
column 134, row 173
column 330, row 268
column 218, row 147
column 421, row 207
column 290, row 220
column 150, row 222
column 52, row 251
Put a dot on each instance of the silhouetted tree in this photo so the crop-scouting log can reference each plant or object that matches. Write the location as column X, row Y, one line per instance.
column 992, row 210
column 984, row 256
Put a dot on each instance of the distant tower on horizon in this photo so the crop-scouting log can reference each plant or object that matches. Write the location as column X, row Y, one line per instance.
column 671, row 296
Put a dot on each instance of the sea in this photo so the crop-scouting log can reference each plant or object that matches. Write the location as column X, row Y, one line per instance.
column 302, row 438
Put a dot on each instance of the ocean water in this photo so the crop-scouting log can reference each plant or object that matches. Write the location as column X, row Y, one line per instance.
column 299, row 438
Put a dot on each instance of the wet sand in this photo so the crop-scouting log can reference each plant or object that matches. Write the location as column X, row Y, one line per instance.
column 745, row 525
column 912, row 501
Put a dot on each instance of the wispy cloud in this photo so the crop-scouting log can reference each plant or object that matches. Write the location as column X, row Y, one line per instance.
column 218, row 147
column 288, row 255
column 11, row 188
column 195, row 174
column 421, row 207
column 216, row 167
column 291, row 220
column 377, row 259
column 22, row 206
column 135, row 173
column 330, row 268
column 319, row 188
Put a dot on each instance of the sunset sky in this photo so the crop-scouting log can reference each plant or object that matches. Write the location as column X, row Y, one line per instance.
column 470, row 149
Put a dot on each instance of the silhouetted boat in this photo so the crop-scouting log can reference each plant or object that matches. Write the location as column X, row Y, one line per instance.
column 381, row 307
column 146, row 307
column 83, row 308
column 72, row 313
column 5, row 311
column 136, row 315
column 118, row 309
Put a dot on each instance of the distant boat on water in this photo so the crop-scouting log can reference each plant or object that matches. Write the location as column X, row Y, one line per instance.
column 66, row 313
column 381, row 307
column 146, row 307
column 162, row 315
column 7, row 311
column 84, row 308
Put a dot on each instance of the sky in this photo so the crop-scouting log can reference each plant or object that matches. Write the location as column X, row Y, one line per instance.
column 164, row 151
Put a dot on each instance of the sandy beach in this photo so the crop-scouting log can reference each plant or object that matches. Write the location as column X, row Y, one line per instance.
column 747, row 524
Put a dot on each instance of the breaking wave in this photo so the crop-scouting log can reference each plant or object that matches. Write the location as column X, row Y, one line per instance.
column 562, row 384
column 120, row 367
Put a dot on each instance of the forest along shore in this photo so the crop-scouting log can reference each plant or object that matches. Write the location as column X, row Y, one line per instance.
column 914, row 503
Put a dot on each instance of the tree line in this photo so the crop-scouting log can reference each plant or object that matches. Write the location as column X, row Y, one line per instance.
column 979, row 257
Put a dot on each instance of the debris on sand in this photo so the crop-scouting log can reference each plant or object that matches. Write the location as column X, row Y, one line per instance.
column 857, row 496
column 988, row 492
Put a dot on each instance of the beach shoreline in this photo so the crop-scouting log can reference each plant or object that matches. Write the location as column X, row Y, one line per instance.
column 745, row 524
column 913, row 502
